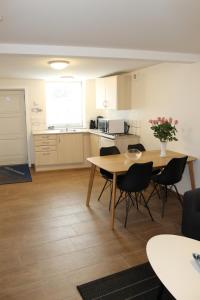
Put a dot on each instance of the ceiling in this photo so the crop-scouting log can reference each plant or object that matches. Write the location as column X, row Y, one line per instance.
column 155, row 26
column 36, row 67
column 162, row 25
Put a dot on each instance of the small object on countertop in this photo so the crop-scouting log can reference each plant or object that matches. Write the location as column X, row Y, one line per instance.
column 196, row 256
column 92, row 124
column 126, row 127
column 52, row 127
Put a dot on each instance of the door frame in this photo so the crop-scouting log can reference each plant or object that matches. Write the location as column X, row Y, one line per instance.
column 27, row 114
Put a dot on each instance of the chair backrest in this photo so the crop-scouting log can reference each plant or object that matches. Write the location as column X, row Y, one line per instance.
column 139, row 147
column 173, row 171
column 109, row 151
column 137, row 177
column 113, row 150
column 191, row 214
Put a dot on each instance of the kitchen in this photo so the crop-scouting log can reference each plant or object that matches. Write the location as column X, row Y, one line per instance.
column 35, row 101
column 145, row 101
column 52, row 146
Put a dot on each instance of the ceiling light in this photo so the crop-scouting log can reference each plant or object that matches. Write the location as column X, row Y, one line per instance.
column 58, row 64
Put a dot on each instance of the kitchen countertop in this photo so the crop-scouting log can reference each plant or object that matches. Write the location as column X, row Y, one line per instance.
column 59, row 131
column 82, row 130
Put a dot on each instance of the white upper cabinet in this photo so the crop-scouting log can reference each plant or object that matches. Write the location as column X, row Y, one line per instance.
column 100, row 93
column 114, row 92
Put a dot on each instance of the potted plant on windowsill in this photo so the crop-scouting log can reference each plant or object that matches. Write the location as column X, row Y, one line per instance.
column 165, row 130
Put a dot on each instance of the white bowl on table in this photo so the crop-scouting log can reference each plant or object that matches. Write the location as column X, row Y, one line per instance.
column 133, row 154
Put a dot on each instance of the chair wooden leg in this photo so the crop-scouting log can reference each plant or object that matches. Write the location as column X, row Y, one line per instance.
column 104, row 187
column 132, row 199
column 110, row 196
column 164, row 200
column 136, row 200
column 147, row 207
column 166, row 193
column 127, row 209
column 157, row 190
column 120, row 197
column 178, row 195
column 154, row 188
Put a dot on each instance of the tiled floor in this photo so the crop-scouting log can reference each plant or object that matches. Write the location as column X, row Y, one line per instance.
column 50, row 241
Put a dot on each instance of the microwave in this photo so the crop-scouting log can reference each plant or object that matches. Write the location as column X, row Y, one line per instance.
column 111, row 126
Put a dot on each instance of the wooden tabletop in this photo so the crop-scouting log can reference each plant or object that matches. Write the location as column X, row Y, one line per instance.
column 120, row 163
column 171, row 258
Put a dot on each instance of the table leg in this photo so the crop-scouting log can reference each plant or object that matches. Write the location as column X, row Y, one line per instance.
column 191, row 172
column 113, row 200
column 92, row 172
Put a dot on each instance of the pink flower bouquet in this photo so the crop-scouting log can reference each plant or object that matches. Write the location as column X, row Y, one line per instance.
column 164, row 129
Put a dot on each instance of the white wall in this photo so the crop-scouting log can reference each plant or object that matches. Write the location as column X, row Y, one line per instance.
column 171, row 90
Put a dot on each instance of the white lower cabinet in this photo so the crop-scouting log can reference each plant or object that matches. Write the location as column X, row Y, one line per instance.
column 46, row 158
column 70, row 148
column 94, row 144
column 58, row 151
column 106, row 142
column 121, row 142
column 45, row 149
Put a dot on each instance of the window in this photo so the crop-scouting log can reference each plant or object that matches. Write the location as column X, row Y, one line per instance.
column 64, row 104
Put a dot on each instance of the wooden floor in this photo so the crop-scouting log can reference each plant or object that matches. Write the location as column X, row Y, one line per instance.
column 50, row 241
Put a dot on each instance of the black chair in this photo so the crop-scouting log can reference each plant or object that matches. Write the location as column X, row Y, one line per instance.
column 191, row 214
column 113, row 150
column 132, row 184
column 139, row 147
column 168, row 178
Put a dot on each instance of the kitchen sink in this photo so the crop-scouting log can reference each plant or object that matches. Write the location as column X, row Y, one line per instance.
column 60, row 130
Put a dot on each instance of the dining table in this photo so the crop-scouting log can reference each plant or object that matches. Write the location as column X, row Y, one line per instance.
column 120, row 163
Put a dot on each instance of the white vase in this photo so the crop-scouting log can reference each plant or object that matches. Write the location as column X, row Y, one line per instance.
column 163, row 147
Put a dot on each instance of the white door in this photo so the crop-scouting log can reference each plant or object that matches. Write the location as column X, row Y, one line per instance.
column 13, row 140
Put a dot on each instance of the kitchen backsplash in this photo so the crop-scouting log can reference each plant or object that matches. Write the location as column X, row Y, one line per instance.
column 130, row 116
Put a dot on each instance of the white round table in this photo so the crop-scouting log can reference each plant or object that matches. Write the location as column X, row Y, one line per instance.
column 171, row 259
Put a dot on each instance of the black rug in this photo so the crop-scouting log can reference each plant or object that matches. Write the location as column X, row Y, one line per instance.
column 138, row 283
column 15, row 174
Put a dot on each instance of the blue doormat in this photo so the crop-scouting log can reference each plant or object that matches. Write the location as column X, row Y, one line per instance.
column 15, row 174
